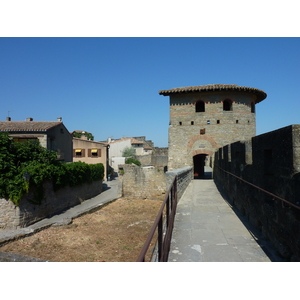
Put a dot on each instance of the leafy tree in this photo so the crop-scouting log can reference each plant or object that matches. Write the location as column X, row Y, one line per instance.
column 88, row 135
column 128, row 152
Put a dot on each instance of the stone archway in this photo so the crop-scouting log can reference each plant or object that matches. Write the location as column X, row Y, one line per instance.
column 201, row 158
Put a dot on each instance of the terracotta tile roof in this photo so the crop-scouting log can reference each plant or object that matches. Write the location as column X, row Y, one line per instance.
column 261, row 95
column 28, row 126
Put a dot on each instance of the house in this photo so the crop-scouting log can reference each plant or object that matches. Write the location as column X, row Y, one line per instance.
column 51, row 135
column 116, row 148
column 90, row 152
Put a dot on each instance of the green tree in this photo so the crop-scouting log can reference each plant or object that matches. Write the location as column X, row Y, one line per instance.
column 128, row 152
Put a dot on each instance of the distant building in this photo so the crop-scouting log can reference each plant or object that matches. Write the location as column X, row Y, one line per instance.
column 90, row 152
column 116, row 148
column 204, row 118
column 51, row 135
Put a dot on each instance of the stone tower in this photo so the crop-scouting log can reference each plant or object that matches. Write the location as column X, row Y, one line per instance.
column 204, row 118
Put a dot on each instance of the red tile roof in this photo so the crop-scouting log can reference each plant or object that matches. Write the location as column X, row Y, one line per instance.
column 17, row 126
column 261, row 95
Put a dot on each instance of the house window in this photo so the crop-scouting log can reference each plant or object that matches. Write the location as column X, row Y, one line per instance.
column 79, row 153
column 94, row 152
column 227, row 105
column 200, row 106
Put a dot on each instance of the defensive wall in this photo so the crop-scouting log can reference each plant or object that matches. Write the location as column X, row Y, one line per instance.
column 152, row 182
column 14, row 217
column 254, row 173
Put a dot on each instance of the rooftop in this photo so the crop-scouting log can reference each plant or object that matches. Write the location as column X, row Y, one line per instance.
column 261, row 95
column 17, row 126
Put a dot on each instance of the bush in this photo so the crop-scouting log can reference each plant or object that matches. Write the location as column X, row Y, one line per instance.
column 16, row 159
column 132, row 161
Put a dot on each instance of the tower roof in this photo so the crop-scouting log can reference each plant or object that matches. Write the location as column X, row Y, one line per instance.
column 261, row 95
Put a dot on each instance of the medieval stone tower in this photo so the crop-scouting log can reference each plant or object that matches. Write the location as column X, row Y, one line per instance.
column 204, row 118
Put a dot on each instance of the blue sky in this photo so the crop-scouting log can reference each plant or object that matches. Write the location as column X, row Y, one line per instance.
column 109, row 86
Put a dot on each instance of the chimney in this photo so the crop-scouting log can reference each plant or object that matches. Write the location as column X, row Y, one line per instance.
column 8, row 119
column 59, row 119
column 29, row 119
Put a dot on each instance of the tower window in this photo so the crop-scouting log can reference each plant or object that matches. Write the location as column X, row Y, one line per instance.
column 208, row 122
column 237, row 121
column 252, row 107
column 202, row 131
column 200, row 106
column 218, row 121
column 227, row 105
column 180, row 123
column 192, row 122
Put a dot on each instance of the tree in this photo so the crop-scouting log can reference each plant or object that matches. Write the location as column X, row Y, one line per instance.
column 128, row 152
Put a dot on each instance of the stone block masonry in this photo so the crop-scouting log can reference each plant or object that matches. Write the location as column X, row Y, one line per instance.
column 270, row 161
column 184, row 177
column 152, row 183
column 12, row 217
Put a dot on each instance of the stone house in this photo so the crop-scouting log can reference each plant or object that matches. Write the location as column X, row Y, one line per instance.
column 116, row 148
column 51, row 135
column 204, row 118
column 91, row 152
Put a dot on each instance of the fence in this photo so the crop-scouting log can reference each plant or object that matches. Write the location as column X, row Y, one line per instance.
column 163, row 226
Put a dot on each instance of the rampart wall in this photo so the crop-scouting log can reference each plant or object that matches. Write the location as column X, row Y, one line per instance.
column 12, row 217
column 270, row 162
column 152, row 182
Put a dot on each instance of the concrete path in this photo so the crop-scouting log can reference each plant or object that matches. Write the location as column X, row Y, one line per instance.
column 111, row 191
column 206, row 229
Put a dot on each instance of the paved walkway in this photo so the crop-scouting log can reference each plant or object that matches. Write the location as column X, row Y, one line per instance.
column 111, row 191
column 206, row 229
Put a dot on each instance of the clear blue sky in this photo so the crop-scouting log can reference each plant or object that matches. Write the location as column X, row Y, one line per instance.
column 109, row 86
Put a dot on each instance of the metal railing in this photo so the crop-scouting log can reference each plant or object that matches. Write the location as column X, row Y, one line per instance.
column 258, row 188
column 163, row 225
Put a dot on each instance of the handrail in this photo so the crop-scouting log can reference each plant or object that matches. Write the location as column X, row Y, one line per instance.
column 164, row 236
column 257, row 187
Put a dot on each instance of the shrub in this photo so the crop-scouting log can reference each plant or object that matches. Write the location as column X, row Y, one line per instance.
column 132, row 161
column 16, row 159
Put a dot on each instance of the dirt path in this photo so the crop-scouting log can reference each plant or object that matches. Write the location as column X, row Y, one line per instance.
column 115, row 233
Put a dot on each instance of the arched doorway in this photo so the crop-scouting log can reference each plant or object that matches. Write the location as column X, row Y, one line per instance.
column 199, row 164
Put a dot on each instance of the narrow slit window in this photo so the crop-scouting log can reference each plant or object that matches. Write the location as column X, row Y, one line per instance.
column 180, row 123
column 192, row 122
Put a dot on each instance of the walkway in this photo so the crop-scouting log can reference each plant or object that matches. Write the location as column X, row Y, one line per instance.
column 206, row 229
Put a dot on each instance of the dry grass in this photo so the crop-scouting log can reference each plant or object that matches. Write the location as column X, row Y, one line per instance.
column 115, row 233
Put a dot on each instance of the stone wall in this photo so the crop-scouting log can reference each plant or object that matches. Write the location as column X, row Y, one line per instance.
column 143, row 182
column 12, row 217
column 153, row 160
column 184, row 177
column 192, row 133
column 270, row 161
column 153, row 182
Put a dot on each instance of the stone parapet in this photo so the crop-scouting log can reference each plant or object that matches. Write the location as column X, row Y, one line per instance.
column 270, row 163
column 27, row 213
column 184, row 177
